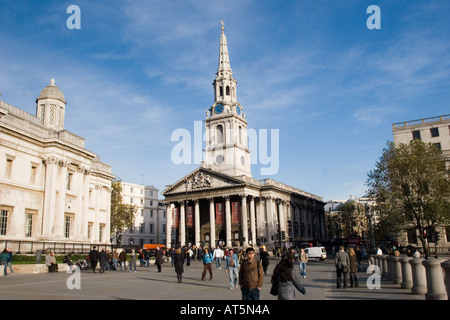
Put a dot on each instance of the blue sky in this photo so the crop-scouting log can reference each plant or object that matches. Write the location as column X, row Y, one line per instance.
column 138, row 70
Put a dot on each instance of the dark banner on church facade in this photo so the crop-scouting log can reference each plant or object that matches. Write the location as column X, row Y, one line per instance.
column 175, row 217
column 235, row 212
column 220, row 214
column 190, row 216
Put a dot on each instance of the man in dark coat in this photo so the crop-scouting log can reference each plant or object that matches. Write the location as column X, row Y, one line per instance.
column 94, row 256
column 178, row 263
column 159, row 258
column 103, row 257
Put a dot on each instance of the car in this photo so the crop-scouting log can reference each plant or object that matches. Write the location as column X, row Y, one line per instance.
column 316, row 253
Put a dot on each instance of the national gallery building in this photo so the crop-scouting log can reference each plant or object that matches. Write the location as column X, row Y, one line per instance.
column 220, row 203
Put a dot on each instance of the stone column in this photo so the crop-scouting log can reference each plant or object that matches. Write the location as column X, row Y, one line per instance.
column 253, row 220
column 384, row 262
column 168, row 225
column 212, row 223
column 418, row 276
column 406, row 273
column 48, row 214
column 390, row 266
column 182, row 225
column 228, row 221
column 446, row 266
column 397, row 270
column 244, row 223
column 435, row 280
column 197, row 223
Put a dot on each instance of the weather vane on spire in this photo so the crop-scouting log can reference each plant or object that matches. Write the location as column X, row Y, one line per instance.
column 221, row 21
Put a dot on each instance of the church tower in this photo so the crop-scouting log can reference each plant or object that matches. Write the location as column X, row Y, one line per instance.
column 226, row 128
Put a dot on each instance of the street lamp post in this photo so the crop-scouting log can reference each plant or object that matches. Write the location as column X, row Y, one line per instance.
column 369, row 215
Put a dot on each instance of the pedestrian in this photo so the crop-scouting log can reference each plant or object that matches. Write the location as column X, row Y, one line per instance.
column 115, row 259
column 250, row 276
column 342, row 263
column 303, row 259
column 9, row 262
column 353, row 259
column 416, row 253
column 4, row 256
column 147, row 258
column 178, row 261
column 207, row 260
column 232, row 268
column 285, row 280
column 67, row 259
column 50, row 262
column 379, row 251
column 264, row 255
column 132, row 261
column 218, row 255
column 159, row 259
column 103, row 259
column 123, row 260
column 94, row 257
column 141, row 258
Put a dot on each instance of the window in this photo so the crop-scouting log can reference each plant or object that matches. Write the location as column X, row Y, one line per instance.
column 9, row 164
column 69, row 180
column 151, row 213
column 221, row 91
column 219, row 134
column 29, row 224
column 416, row 135
column 131, row 189
column 438, row 145
column 151, row 227
column 100, row 232
column 131, row 200
column 67, row 226
column 3, row 221
column 228, row 90
column 240, row 135
column 142, row 228
column 434, row 132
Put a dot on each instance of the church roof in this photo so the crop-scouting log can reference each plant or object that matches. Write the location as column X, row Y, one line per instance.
column 51, row 92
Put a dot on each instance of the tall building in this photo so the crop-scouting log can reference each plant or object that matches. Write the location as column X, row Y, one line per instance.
column 52, row 189
column 150, row 217
column 220, row 202
column 435, row 130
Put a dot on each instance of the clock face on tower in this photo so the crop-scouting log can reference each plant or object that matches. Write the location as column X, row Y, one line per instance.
column 219, row 108
column 238, row 110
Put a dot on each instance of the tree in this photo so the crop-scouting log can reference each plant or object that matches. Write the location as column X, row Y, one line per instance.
column 412, row 188
column 353, row 218
column 122, row 215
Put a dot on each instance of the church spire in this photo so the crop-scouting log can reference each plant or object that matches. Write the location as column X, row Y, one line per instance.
column 224, row 60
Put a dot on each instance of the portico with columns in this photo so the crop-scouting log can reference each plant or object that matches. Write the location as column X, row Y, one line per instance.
column 220, row 203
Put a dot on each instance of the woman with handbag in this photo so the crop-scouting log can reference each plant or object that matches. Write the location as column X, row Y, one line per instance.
column 353, row 267
column 285, row 280
column 342, row 266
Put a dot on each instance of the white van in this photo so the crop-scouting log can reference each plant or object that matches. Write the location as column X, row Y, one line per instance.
column 316, row 253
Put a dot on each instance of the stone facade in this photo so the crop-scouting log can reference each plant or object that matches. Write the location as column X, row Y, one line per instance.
column 51, row 187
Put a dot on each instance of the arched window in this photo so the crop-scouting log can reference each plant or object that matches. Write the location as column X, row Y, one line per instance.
column 228, row 90
column 219, row 133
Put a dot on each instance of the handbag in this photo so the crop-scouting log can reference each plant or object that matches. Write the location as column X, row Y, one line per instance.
column 274, row 289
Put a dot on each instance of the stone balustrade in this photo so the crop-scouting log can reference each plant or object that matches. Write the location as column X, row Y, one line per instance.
column 422, row 276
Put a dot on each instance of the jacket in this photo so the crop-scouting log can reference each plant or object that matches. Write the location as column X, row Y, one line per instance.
column 228, row 260
column 286, row 289
column 342, row 259
column 249, row 276
column 207, row 258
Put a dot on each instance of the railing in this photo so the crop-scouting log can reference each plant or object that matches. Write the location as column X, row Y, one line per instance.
column 30, row 247
column 421, row 121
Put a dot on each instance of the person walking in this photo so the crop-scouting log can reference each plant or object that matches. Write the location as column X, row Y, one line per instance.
column 232, row 268
column 303, row 259
column 285, row 280
column 94, row 257
column 132, row 261
column 218, row 255
column 4, row 256
column 123, row 260
column 115, row 259
column 159, row 259
column 264, row 255
column 103, row 259
column 207, row 260
column 178, row 261
column 251, row 276
column 342, row 263
column 353, row 258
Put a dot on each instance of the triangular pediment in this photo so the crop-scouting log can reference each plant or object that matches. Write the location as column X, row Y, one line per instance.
column 202, row 179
